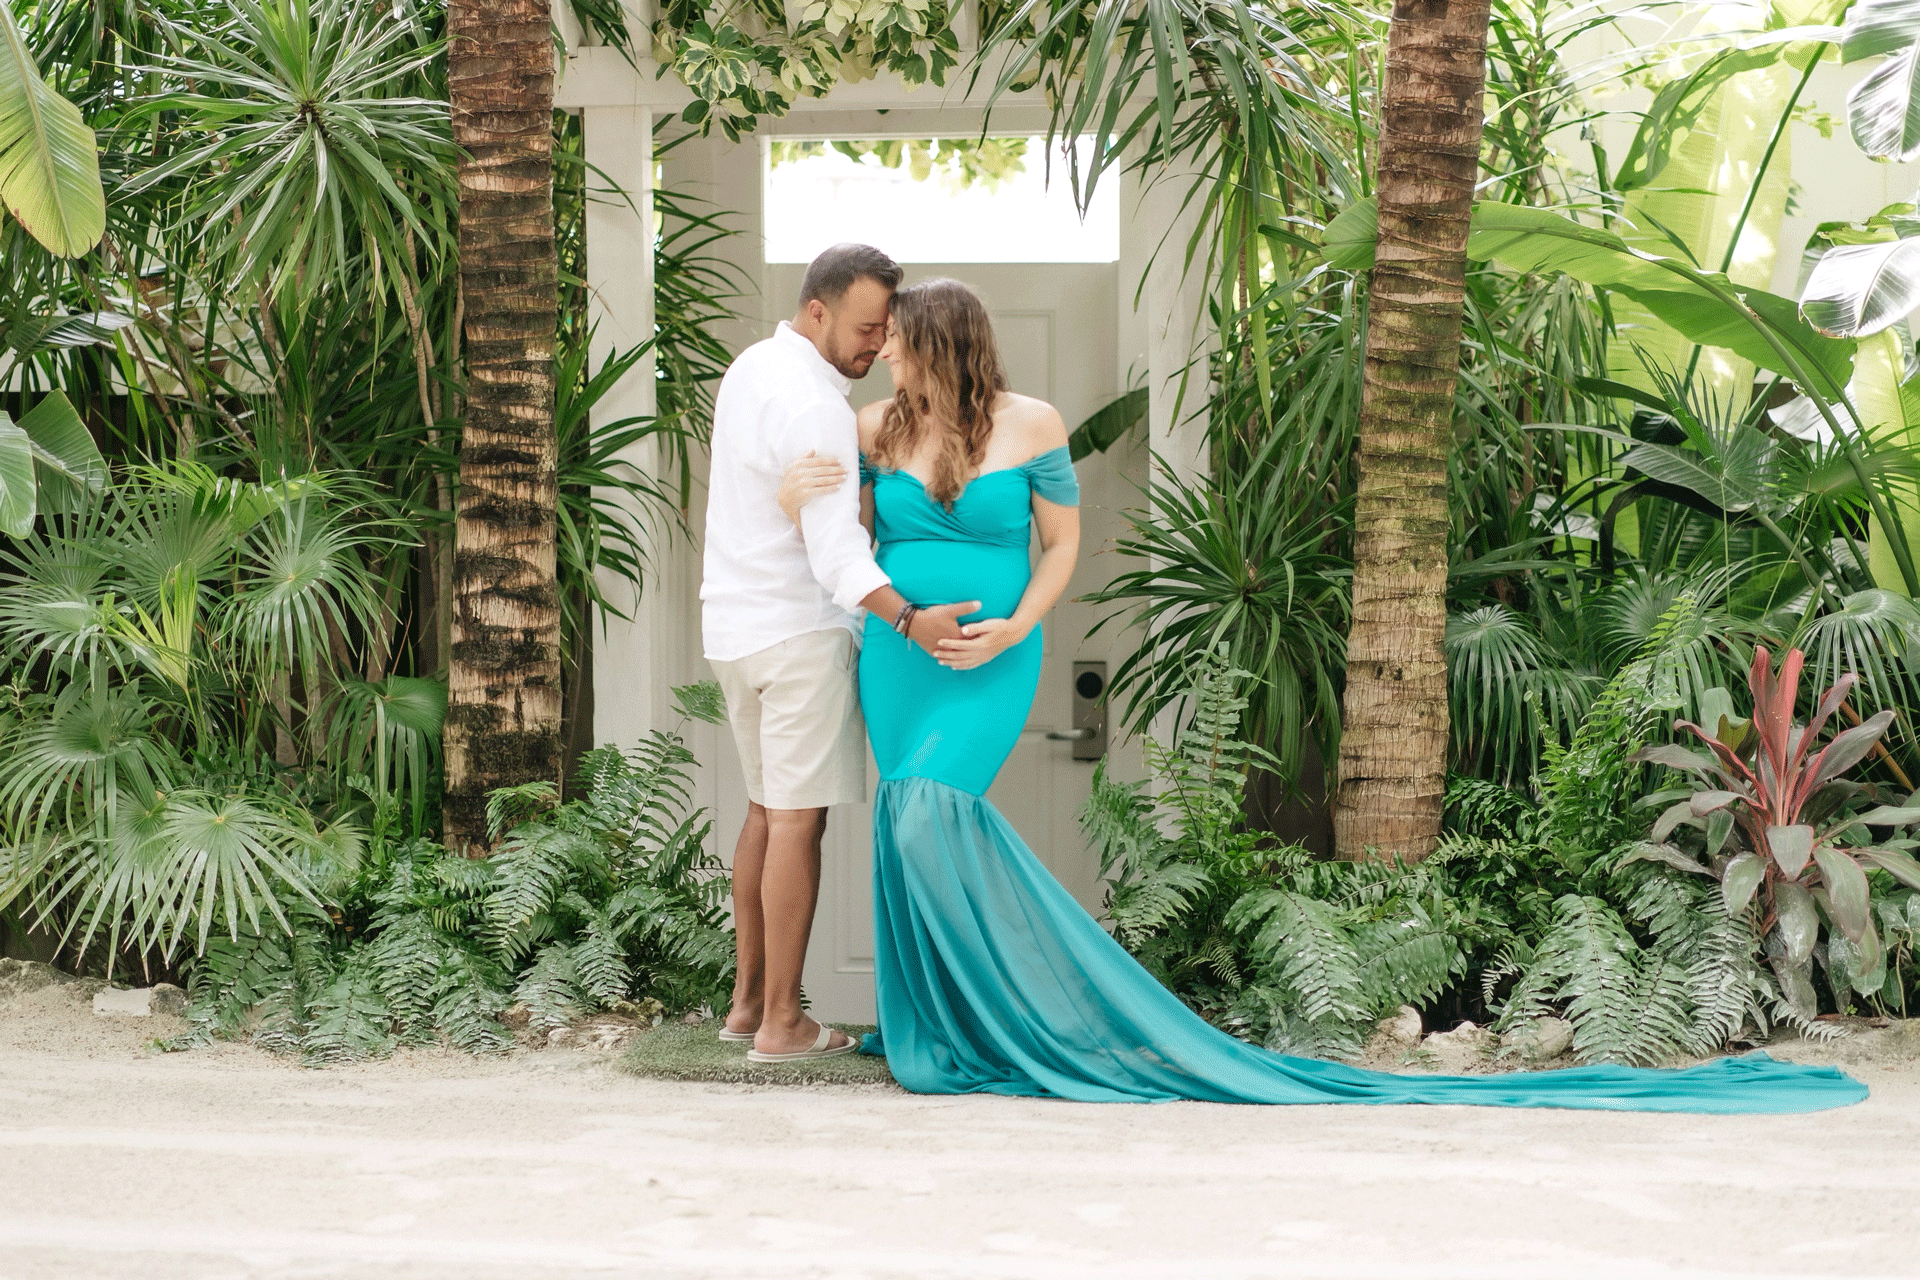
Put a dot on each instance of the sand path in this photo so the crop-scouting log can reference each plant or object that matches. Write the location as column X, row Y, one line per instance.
column 116, row 1162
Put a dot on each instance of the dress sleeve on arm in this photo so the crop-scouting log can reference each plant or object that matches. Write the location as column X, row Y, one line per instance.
column 1052, row 478
column 867, row 471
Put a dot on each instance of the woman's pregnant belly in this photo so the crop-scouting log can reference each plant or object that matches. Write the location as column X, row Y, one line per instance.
column 929, row 721
column 940, row 572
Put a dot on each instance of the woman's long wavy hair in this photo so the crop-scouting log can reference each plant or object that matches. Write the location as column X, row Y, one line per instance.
column 944, row 328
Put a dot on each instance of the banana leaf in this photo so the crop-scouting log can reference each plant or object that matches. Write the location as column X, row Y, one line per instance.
column 49, row 161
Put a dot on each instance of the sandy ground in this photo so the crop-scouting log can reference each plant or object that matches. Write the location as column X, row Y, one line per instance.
column 119, row 1162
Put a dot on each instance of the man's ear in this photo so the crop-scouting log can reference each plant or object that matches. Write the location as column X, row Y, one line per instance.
column 817, row 311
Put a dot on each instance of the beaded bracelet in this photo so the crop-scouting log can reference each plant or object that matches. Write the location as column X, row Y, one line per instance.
column 904, row 623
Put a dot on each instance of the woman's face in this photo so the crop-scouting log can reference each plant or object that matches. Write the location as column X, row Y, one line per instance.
column 906, row 374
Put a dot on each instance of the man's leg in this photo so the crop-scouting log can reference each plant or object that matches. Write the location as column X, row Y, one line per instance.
column 789, row 889
column 749, row 923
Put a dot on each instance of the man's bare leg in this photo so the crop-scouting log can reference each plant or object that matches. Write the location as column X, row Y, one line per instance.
column 749, row 923
column 789, row 888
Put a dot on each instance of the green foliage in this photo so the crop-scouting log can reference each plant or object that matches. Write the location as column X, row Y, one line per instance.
column 1777, row 826
column 606, row 900
column 49, row 167
column 1298, row 955
column 960, row 162
column 183, row 633
column 746, row 61
column 294, row 103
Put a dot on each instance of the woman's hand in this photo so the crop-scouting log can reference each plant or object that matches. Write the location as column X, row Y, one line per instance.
column 981, row 642
column 808, row 478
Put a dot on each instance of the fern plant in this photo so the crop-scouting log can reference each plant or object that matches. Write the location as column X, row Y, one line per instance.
column 608, row 898
column 1299, row 955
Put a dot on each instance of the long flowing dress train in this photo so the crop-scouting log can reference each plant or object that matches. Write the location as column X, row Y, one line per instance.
column 990, row 978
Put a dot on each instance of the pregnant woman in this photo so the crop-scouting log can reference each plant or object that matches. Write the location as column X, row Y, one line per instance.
column 990, row 978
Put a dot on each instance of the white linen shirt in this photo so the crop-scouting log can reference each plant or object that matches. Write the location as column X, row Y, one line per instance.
column 763, row 582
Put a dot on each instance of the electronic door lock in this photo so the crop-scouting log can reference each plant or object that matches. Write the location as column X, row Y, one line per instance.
column 1089, row 732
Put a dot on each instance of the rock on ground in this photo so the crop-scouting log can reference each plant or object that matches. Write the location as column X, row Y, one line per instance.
column 141, row 1002
column 1465, row 1050
column 1538, row 1041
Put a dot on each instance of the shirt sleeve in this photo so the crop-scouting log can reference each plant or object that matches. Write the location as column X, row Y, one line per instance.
column 837, row 544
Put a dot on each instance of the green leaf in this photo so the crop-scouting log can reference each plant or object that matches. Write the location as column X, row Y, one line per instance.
column 1352, row 236
column 1719, row 827
column 1864, row 962
column 1645, row 852
column 1739, row 881
column 1883, row 111
column 1705, row 802
column 702, row 701
column 68, row 463
column 1901, row 866
column 1888, row 815
column 1675, row 814
column 1856, row 290
column 47, row 333
column 1846, row 890
column 18, row 486
column 418, row 703
column 1791, row 846
column 1673, row 756
column 1108, row 424
column 1875, row 27
column 49, row 160
column 1798, row 921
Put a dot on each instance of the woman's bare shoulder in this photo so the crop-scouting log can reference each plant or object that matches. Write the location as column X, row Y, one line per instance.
column 1034, row 423
column 870, row 418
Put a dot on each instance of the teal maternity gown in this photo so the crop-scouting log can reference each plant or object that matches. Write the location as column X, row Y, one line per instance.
column 991, row 979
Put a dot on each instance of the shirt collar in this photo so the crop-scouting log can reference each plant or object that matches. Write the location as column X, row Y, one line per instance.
column 804, row 346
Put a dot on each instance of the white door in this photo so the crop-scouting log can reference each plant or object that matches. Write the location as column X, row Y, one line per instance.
column 1056, row 325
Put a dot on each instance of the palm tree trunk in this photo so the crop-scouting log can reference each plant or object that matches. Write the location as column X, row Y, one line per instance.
column 503, row 716
column 1393, row 743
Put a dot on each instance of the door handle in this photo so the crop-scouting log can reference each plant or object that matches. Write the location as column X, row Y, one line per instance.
column 1071, row 735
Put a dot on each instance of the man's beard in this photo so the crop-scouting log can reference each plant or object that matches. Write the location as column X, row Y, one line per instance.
column 857, row 367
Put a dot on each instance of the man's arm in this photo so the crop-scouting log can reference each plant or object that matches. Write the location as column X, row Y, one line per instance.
column 839, row 549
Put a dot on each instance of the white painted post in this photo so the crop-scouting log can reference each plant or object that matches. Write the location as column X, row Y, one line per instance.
column 1164, row 335
column 629, row 668
column 1173, row 308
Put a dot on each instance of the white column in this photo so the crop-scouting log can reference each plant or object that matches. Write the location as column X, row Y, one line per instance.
column 628, row 671
column 1170, row 322
column 1164, row 336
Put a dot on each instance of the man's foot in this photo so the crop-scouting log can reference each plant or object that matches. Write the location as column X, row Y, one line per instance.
column 740, row 1024
column 802, row 1037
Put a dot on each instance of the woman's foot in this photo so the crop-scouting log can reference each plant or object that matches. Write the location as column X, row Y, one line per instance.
column 742, row 1023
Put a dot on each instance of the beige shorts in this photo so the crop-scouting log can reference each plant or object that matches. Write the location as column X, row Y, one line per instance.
column 795, row 712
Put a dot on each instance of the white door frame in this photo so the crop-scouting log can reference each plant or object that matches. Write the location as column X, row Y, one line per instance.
column 637, row 662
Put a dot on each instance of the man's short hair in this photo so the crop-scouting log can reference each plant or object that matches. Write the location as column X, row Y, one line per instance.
column 830, row 275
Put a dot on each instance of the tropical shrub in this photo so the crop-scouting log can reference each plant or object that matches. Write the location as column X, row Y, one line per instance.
column 1299, row 955
column 608, row 900
column 1642, row 961
column 187, row 704
column 1783, row 831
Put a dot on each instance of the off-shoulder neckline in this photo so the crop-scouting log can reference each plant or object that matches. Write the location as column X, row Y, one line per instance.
column 997, row 471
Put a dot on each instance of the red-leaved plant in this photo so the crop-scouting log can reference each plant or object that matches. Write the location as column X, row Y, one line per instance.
column 1782, row 792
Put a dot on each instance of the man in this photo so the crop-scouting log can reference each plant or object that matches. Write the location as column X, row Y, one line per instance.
column 781, row 619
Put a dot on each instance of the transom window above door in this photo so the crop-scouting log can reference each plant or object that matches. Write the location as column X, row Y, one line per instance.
column 933, row 200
